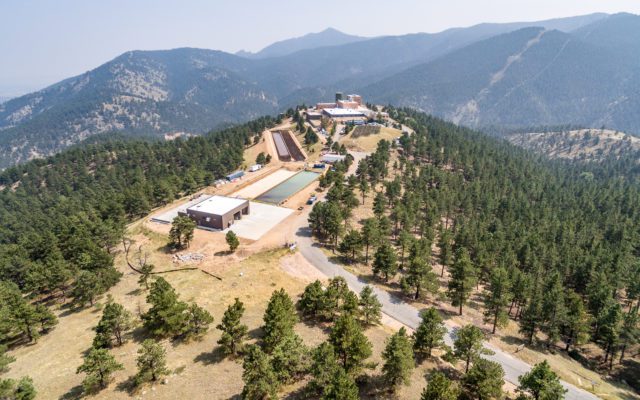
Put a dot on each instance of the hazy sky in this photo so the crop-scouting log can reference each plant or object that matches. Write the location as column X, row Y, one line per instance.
column 44, row 41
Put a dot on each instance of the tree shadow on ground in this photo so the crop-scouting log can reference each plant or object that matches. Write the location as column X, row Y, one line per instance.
column 256, row 333
column 299, row 394
column 168, row 249
column 72, row 308
column 135, row 292
column 513, row 340
column 139, row 334
column 129, row 386
column 317, row 322
column 629, row 373
column 223, row 253
column 211, row 357
column 74, row 393
column 375, row 387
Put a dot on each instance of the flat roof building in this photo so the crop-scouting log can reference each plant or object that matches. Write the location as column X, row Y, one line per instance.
column 313, row 115
column 342, row 113
column 217, row 212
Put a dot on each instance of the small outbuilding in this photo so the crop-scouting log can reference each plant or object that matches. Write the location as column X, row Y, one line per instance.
column 218, row 212
column 235, row 175
column 332, row 158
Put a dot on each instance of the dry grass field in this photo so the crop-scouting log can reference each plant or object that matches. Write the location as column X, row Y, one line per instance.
column 368, row 140
column 199, row 371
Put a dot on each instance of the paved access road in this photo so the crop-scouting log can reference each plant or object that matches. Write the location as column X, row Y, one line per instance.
column 405, row 313
column 409, row 315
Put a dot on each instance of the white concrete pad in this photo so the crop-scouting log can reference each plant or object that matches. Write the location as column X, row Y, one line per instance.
column 257, row 188
column 168, row 216
column 261, row 219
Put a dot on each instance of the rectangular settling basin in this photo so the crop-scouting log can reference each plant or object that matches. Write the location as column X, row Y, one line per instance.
column 288, row 188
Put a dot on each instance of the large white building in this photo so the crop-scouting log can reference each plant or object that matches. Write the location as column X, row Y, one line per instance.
column 342, row 113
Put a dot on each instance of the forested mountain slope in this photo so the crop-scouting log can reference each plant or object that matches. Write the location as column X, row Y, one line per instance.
column 154, row 93
column 140, row 93
column 552, row 245
column 579, row 144
column 558, row 228
column 64, row 214
column 528, row 77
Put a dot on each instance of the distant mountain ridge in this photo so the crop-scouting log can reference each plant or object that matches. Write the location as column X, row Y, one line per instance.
column 578, row 144
column 328, row 37
column 488, row 74
column 529, row 77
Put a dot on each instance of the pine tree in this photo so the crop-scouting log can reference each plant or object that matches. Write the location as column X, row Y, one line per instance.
column 337, row 298
column 151, row 362
column 341, row 387
column 379, row 204
column 439, row 387
column 532, row 315
column 233, row 331
column 115, row 322
column 86, row 288
column 260, row 382
column 553, row 308
column 166, row 317
column 610, row 325
column 629, row 333
column 385, row 261
column 99, row 365
column 370, row 236
column 541, row 383
column 484, row 380
column 419, row 278
column 181, row 232
column 323, row 367
column 351, row 245
column 311, row 302
column 232, row 241
column 430, row 333
column 279, row 319
column 497, row 297
column 145, row 274
column 351, row 345
column 444, row 243
column 20, row 390
column 351, row 304
column 468, row 345
column 463, row 279
column 289, row 358
column 196, row 322
column 577, row 322
column 370, row 307
column 21, row 318
column 363, row 186
column 5, row 359
column 398, row 358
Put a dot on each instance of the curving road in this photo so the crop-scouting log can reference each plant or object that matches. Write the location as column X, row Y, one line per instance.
column 409, row 315
column 403, row 312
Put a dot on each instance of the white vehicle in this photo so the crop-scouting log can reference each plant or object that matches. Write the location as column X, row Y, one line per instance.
column 255, row 167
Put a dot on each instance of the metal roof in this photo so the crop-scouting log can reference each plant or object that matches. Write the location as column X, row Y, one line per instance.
column 218, row 205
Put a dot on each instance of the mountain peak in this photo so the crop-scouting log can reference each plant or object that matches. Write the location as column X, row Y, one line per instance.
column 328, row 37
